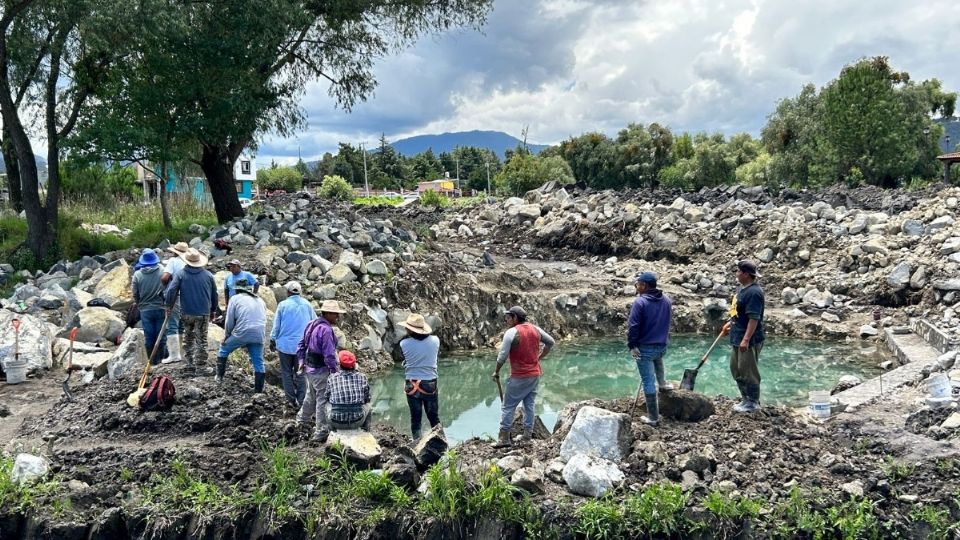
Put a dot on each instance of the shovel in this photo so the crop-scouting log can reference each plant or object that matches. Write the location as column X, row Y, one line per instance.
column 134, row 398
column 16, row 340
column 66, row 381
column 690, row 375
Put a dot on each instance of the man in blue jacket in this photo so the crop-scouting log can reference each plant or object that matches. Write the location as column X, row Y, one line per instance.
column 195, row 288
column 648, row 331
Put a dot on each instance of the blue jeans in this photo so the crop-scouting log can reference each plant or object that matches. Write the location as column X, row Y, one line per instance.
column 152, row 322
column 518, row 390
column 255, row 350
column 420, row 403
column 173, row 325
column 294, row 386
column 650, row 366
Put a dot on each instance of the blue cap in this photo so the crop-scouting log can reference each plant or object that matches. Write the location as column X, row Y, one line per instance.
column 148, row 258
column 646, row 277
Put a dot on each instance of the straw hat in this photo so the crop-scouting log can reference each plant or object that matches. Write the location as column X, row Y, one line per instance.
column 180, row 248
column 331, row 306
column 194, row 258
column 416, row 323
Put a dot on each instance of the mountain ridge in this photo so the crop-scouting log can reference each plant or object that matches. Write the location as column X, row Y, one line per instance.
column 496, row 141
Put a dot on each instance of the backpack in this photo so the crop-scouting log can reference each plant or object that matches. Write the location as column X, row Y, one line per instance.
column 160, row 395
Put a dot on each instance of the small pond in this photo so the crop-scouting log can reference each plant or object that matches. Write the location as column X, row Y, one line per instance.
column 602, row 368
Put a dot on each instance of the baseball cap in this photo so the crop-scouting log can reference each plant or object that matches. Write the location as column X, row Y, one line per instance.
column 646, row 277
column 348, row 360
column 293, row 287
column 748, row 267
column 517, row 312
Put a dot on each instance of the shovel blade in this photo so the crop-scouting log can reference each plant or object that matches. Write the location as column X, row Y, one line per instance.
column 689, row 378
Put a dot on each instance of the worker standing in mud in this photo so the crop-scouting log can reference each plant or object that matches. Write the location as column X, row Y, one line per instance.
column 173, row 266
column 292, row 317
column 420, row 351
column 317, row 357
column 648, row 331
column 245, row 326
column 746, row 336
column 521, row 344
column 236, row 274
column 148, row 297
column 197, row 293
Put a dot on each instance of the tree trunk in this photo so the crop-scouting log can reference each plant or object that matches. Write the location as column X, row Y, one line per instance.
column 13, row 174
column 162, row 189
column 217, row 164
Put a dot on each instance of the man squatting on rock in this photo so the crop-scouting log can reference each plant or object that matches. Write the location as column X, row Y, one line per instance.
column 648, row 331
column 245, row 326
column 420, row 351
column 348, row 396
column 197, row 293
column 746, row 336
column 317, row 356
column 521, row 343
column 292, row 317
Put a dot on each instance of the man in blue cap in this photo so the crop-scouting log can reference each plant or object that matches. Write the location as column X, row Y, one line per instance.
column 648, row 331
column 148, row 296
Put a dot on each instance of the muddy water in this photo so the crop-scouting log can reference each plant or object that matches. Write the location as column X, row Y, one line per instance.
column 470, row 406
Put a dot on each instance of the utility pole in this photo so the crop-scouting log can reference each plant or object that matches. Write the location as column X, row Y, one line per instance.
column 456, row 158
column 487, row 163
column 366, row 185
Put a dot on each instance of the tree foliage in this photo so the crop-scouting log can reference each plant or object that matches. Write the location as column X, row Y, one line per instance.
column 335, row 187
column 525, row 171
column 289, row 179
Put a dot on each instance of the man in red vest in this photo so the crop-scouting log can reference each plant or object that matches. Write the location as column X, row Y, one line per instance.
column 521, row 344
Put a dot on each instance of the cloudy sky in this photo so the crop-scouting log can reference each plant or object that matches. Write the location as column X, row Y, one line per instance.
column 564, row 67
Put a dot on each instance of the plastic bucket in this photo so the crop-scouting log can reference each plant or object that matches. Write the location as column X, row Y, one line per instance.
column 16, row 371
column 938, row 386
column 820, row 403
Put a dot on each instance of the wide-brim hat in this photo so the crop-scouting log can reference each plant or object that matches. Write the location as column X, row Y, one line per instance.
column 148, row 258
column 194, row 258
column 417, row 324
column 180, row 248
column 331, row 306
column 242, row 285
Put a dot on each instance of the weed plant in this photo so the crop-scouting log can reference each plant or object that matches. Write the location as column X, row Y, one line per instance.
column 937, row 519
column 45, row 494
column 168, row 495
column 854, row 519
column 798, row 516
column 895, row 471
column 378, row 200
column 434, row 199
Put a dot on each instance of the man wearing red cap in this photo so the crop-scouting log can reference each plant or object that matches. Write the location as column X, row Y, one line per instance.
column 348, row 396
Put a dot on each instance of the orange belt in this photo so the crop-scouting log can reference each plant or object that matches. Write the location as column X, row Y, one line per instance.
column 415, row 387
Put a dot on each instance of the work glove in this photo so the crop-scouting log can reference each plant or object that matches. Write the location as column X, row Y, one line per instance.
column 273, row 345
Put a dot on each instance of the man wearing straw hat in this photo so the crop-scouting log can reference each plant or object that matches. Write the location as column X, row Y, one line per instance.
column 420, row 350
column 292, row 317
column 195, row 288
column 148, row 296
column 746, row 336
column 245, row 326
column 172, row 334
column 317, row 357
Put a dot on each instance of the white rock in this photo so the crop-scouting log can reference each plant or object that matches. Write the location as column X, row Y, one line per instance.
column 36, row 340
column 829, row 317
column 27, row 468
column 114, row 288
column 900, row 277
column 868, row 331
column 789, row 296
column 591, row 476
column 130, row 356
column 599, row 433
column 341, row 273
column 351, row 259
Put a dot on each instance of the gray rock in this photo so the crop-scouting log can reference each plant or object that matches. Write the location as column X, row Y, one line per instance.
column 36, row 339
column 688, row 480
column 512, row 463
column 766, row 255
column 292, row 240
column 325, row 292
column 867, row 331
column 652, row 451
column 685, row 406
column 947, row 284
column 900, row 277
column 27, row 468
column 431, row 447
column 912, row 227
column 528, row 211
column 97, row 323
column 341, row 273
column 789, row 296
column 819, row 299
column 591, row 476
column 361, row 446
column 130, row 356
column 598, row 432
column 829, row 317
column 919, row 278
column 376, row 267
column 351, row 259
column 950, row 246
column 529, row 479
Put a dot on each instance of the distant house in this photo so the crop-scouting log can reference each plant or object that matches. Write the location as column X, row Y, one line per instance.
column 244, row 172
column 441, row 185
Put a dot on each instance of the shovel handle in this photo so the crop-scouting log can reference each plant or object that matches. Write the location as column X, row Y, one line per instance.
column 706, row 355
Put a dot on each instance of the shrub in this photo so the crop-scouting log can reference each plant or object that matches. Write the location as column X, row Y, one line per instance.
column 432, row 198
column 335, row 187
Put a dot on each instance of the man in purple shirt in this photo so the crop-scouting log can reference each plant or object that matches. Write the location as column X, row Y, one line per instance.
column 317, row 356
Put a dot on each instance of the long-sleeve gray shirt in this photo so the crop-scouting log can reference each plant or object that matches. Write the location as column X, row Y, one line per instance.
column 246, row 318
column 147, row 288
column 510, row 335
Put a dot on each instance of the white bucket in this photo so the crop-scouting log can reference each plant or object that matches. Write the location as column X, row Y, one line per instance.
column 820, row 403
column 16, row 371
column 938, row 386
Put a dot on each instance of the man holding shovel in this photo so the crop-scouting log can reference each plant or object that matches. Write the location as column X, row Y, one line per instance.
column 521, row 344
column 648, row 331
column 746, row 336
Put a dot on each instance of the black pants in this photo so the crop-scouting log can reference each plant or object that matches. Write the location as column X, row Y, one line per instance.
column 420, row 401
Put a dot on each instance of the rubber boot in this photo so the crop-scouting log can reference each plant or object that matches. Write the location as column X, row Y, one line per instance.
column 753, row 391
column 173, row 350
column 526, row 436
column 221, row 369
column 258, row 382
column 744, row 405
column 652, row 418
column 504, row 439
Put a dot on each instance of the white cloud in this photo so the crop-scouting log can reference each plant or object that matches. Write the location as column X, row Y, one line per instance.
column 565, row 68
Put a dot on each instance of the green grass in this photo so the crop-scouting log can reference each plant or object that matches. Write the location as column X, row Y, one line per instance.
column 937, row 519
column 182, row 490
column 44, row 494
column 895, row 471
column 378, row 200
column 854, row 519
column 798, row 516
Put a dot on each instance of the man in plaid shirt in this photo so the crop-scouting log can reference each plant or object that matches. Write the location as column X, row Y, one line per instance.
column 348, row 396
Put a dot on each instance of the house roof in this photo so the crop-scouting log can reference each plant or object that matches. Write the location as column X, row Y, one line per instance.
column 951, row 156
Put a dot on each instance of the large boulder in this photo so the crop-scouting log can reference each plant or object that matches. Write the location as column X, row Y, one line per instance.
column 900, row 277
column 591, row 476
column 341, row 273
column 99, row 323
column 361, row 447
column 28, row 467
column 130, row 356
column 599, row 433
column 35, row 336
column 351, row 259
column 114, row 287
column 685, row 406
column 431, row 447
column 529, row 479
